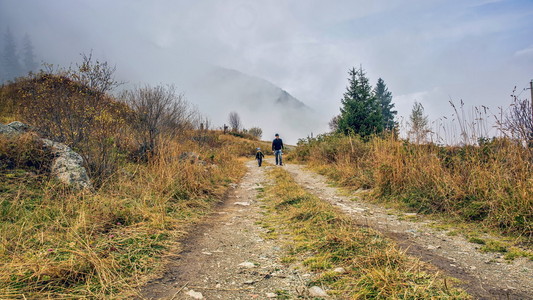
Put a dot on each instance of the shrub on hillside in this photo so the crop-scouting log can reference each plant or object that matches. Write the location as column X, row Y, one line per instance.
column 256, row 132
column 158, row 111
column 66, row 111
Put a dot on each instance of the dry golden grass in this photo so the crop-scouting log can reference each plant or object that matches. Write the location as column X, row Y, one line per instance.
column 325, row 239
column 58, row 243
column 490, row 184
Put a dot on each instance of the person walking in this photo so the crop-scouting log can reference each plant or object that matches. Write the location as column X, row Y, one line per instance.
column 259, row 156
column 277, row 146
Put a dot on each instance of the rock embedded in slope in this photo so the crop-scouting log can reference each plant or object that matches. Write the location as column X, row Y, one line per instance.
column 67, row 165
column 11, row 129
column 19, row 126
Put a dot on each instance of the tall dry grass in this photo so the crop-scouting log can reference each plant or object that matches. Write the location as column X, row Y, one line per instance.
column 58, row 243
column 490, row 183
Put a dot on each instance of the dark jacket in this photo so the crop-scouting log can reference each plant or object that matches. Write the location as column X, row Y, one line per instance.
column 259, row 155
column 277, row 144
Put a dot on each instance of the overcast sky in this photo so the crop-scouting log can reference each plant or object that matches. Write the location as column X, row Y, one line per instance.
column 425, row 50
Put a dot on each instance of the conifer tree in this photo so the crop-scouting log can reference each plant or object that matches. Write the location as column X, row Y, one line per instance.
column 28, row 58
column 384, row 98
column 10, row 61
column 360, row 112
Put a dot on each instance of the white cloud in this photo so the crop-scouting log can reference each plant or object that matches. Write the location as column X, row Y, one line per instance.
column 525, row 52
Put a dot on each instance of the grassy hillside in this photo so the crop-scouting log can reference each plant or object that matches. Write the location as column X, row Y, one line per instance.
column 490, row 184
column 57, row 242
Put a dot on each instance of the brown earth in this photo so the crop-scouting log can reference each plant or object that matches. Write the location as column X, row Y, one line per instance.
column 228, row 256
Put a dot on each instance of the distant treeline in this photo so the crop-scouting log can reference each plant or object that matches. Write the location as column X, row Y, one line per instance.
column 16, row 59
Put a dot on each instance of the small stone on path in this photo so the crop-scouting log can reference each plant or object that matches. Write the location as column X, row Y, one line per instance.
column 316, row 291
column 247, row 265
column 242, row 203
column 195, row 295
column 271, row 295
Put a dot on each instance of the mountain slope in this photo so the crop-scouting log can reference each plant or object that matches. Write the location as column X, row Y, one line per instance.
column 257, row 101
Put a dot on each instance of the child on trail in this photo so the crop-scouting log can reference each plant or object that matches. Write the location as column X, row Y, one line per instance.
column 259, row 156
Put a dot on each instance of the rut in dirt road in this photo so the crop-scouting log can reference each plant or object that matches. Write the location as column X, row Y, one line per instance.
column 228, row 258
column 483, row 275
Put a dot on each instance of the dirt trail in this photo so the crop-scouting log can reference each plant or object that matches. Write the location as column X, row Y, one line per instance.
column 227, row 257
column 485, row 275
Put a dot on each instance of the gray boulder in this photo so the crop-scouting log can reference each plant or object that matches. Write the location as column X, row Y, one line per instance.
column 14, row 128
column 19, row 126
column 67, row 165
column 4, row 129
column 316, row 291
column 8, row 130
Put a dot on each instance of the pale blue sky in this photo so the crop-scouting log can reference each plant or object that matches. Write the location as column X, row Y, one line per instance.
column 425, row 50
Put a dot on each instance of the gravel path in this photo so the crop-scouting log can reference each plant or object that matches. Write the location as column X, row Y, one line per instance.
column 228, row 258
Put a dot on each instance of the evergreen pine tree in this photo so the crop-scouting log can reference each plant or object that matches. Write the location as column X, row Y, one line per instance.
column 360, row 113
column 384, row 98
column 28, row 58
column 10, row 60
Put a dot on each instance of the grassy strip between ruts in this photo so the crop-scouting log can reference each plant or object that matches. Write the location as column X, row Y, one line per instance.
column 325, row 239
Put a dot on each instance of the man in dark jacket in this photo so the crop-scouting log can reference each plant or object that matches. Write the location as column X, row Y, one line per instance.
column 277, row 146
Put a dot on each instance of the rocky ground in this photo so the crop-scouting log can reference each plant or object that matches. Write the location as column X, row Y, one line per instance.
column 228, row 256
